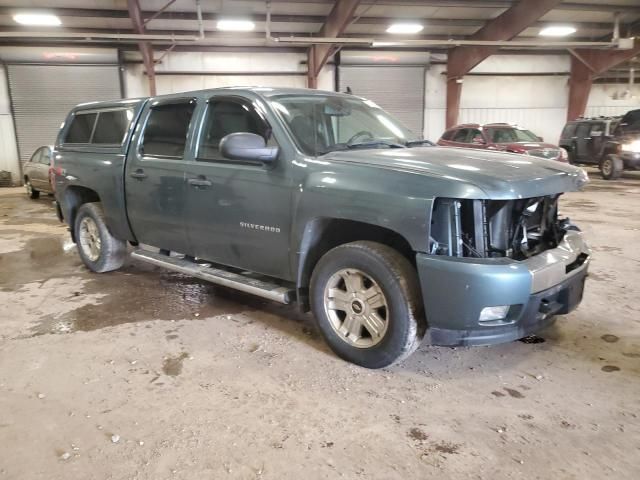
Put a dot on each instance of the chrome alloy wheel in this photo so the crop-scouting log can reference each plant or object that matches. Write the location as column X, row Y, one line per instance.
column 356, row 308
column 90, row 238
column 607, row 167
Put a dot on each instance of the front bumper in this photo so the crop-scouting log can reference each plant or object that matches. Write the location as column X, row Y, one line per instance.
column 631, row 160
column 455, row 290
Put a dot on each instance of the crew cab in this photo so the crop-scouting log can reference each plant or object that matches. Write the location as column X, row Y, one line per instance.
column 324, row 199
column 504, row 137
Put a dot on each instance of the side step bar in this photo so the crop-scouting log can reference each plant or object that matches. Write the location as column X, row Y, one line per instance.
column 261, row 288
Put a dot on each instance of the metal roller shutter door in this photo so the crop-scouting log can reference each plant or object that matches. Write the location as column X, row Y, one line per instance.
column 399, row 90
column 42, row 95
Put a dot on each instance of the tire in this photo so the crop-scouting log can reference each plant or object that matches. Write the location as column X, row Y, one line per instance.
column 611, row 167
column 99, row 250
column 33, row 193
column 389, row 279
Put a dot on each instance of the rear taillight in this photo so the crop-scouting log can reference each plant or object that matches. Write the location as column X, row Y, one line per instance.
column 53, row 171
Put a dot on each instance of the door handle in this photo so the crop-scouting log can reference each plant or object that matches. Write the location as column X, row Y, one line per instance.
column 199, row 182
column 138, row 174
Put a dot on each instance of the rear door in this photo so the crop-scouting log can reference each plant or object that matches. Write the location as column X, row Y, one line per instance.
column 582, row 141
column 238, row 213
column 155, row 173
column 595, row 142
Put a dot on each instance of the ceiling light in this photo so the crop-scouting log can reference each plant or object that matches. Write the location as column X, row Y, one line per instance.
column 405, row 28
column 557, row 31
column 37, row 19
column 235, row 25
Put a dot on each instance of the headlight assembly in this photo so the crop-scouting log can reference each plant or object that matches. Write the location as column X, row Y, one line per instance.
column 631, row 147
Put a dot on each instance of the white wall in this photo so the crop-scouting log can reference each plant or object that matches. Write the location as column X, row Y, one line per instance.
column 212, row 62
column 535, row 102
column 8, row 150
column 612, row 99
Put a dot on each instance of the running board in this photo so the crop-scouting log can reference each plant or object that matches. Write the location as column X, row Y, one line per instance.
column 261, row 288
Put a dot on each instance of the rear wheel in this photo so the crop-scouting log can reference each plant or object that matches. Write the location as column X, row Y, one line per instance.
column 32, row 192
column 611, row 167
column 100, row 251
column 366, row 299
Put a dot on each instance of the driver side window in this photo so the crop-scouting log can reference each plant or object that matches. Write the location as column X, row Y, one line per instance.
column 226, row 116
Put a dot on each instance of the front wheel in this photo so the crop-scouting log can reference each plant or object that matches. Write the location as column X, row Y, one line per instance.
column 366, row 299
column 611, row 167
column 100, row 251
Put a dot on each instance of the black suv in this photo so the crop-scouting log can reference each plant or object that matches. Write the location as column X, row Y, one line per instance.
column 613, row 143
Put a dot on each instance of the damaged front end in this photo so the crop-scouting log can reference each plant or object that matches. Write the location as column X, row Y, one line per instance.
column 499, row 270
column 516, row 229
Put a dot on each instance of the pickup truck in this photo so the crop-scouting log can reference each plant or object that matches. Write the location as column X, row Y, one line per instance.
column 324, row 199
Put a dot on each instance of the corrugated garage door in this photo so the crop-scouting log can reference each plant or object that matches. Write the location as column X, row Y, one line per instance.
column 397, row 89
column 42, row 95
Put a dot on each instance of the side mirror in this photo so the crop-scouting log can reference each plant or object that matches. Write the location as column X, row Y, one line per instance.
column 247, row 146
column 540, row 139
column 478, row 140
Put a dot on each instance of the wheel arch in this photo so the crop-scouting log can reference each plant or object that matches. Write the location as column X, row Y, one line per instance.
column 324, row 233
column 74, row 197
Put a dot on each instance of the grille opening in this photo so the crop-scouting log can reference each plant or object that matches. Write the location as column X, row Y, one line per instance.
column 516, row 229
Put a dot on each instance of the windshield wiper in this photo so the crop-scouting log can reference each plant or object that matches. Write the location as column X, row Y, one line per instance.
column 417, row 143
column 375, row 143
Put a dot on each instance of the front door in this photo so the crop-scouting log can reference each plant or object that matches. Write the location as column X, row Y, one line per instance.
column 596, row 139
column 238, row 213
column 155, row 174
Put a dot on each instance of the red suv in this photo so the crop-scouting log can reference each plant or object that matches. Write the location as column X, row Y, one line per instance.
column 503, row 137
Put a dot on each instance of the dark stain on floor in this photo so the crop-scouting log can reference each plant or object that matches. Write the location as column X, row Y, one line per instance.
column 610, row 368
column 172, row 366
column 513, row 392
column 418, row 434
column 607, row 337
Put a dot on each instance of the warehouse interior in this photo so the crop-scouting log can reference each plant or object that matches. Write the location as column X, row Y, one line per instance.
column 145, row 374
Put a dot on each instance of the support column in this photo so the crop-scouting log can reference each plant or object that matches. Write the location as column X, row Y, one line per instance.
column 312, row 75
column 580, row 83
column 454, row 90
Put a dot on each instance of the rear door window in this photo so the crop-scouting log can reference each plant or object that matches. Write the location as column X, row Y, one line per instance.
column 165, row 134
column 597, row 130
column 583, row 130
column 112, row 126
column 461, row 135
column 81, row 128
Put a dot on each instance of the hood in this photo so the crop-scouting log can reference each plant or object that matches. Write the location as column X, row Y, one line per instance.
column 499, row 175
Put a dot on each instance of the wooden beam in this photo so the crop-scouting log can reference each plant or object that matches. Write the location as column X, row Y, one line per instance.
column 145, row 47
column 340, row 17
column 509, row 24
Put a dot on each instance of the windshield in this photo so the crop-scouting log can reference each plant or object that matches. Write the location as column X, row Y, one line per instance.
column 325, row 123
column 510, row 135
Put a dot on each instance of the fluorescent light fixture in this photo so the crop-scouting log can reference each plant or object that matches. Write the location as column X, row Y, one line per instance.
column 37, row 19
column 557, row 31
column 235, row 25
column 404, row 28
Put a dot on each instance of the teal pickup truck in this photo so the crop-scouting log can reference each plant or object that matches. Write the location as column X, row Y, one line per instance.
column 324, row 199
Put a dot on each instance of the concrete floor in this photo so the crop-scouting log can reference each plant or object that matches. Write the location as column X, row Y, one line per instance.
column 144, row 374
